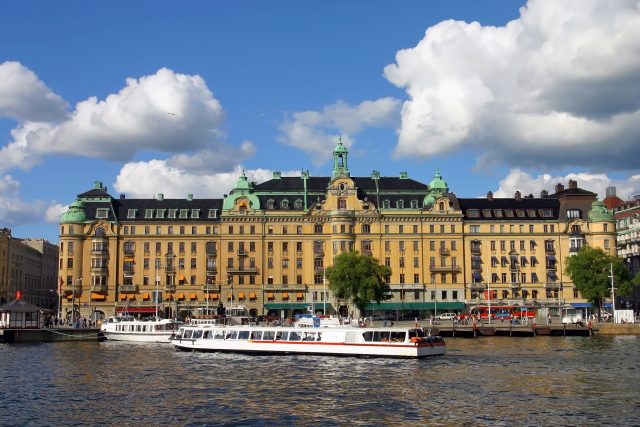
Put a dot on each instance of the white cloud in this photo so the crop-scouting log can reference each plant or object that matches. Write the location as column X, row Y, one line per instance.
column 317, row 132
column 147, row 179
column 165, row 112
column 558, row 86
column 53, row 213
column 13, row 210
column 519, row 180
column 25, row 98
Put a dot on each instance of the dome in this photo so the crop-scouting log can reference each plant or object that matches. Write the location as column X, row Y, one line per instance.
column 340, row 148
column 75, row 213
column 599, row 212
column 438, row 183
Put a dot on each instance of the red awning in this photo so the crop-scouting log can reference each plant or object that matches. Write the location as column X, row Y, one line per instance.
column 136, row 309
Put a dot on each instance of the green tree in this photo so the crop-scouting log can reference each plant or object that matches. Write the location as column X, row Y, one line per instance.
column 590, row 270
column 359, row 278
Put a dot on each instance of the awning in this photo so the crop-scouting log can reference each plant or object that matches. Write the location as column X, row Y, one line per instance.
column 252, row 295
column 299, row 295
column 240, row 295
column 291, row 306
column 181, row 277
column 444, row 305
column 581, row 304
column 69, row 297
column 168, row 296
column 534, row 260
column 494, row 260
column 270, row 295
column 123, row 297
column 552, row 276
column 98, row 297
column 523, row 260
column 285, row 295
column 180, row 295
column 214, row 295
column 504, row 260
column 514, row 259
column 193, row 296
column 494, row 277
column 135, row 310
column 534, row 277
column 145, row 296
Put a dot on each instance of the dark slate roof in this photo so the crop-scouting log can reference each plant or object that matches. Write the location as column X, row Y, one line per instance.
column 95, row 192
column 511, row 204
column 122, row 206
column 20, row 306
column 572, row 192
column 319, row 184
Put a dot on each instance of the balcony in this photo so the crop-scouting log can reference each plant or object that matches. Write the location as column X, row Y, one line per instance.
column 515, row 285
column 99, row 251
column 477, row 286
column 212, row 270
column 128, row 272
column 318, row 269
column 169, row 288
column 552, row 286
column 445, row 251
column 103, row 271
column 476, row 249
column 444, row 268
column 128, row 288
column 550, row 249
column 476, row 267
column 129, row 252
column 514, row 267
column 99, row 288
column 211, row 287
column 242, row 252
column 74, row 287
column 242, row 270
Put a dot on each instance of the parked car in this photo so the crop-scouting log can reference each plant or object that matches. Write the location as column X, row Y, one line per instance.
column 445, row 316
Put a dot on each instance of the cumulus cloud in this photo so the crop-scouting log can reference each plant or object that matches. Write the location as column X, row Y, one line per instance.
column 165, row 112
column 519, row 180
column 317, row 132
column 146, row 179
column 25, row 98
column 556, row 87
column 13, row 210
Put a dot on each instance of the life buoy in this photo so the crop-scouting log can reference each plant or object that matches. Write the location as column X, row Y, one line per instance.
column 416, row 340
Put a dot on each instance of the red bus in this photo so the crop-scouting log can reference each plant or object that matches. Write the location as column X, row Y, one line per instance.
column 503, row 312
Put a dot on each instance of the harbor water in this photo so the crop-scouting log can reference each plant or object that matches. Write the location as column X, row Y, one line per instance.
column 486, row 381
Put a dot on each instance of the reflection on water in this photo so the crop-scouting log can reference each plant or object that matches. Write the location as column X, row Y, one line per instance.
column 486, row 381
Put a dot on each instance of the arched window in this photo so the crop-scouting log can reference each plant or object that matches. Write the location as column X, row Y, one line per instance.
column 297, row 204
column 100, row 232
column 441, row 206
column 270, row 204
column 284, row 204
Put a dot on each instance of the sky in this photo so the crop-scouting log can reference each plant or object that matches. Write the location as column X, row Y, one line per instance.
column 180, row 97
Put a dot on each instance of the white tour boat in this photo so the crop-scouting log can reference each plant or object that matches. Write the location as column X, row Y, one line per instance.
column 127, row 328
column 333, row 341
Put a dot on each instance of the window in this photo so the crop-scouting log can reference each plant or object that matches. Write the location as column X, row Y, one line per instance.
column 131, row 213
column 170, row 229
column 184, row 213
column 298, row 229
column 342, row 203
column 366, row 228
column 297, row 204
column 160, row 213
column 474, row 229
column 414, row 204
column 473, row 213
column 284, row 229
column 386, row 204
column 172, row 213
column 400, row 204
column 195, row 213
column 102, row 213
column 317, row 228
column 284, row 204
column 213, row 213
column 400, row 229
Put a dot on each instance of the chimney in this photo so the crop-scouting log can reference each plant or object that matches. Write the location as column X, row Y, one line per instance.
column 518, row 196
column 190, row 197
column 544, row 194
column 276, row 175
column 490, row 195
column 559, row 188
column 404, row 175
column 573, row 184
column 610, row 191
column 160, row 197
column 122, row 197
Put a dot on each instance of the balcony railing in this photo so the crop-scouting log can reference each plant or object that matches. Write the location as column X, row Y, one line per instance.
column 444, row 268
column 100, row 270
column 550, row 249
column 242, row 270
column 99, row 251
column 552, row 286
column 476, row 250
column 128, row 289
column 243, row 252
column 515, row 285
column 128, row 271
column 445, row 251
column 477, row 286
column 99, row 288
column 169, row 288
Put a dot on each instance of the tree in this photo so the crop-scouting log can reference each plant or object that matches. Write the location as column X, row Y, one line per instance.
column 590, row 270
column 360, row 278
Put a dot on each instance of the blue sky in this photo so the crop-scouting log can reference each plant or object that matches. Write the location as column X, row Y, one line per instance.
column 179, row 98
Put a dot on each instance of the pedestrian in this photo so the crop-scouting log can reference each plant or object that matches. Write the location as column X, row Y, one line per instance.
column 548, row 318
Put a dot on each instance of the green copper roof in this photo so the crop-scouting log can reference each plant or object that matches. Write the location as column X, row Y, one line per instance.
column 599, row 212
column 340, row 148
column 340, row 167
column 74, row 214
column 243, row 188
column 438, row 183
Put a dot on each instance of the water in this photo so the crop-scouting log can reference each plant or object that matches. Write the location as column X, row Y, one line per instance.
column 485, row 381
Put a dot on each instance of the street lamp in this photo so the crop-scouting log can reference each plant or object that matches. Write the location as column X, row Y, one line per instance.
column 613, row 295
column 73, row 300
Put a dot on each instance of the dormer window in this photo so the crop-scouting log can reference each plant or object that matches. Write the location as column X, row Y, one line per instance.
column 184, row 213
column 547, row 213
column 131, row 213
column 497, row 213
column 400, row 204
column 284, row 204
column 520, row 213
column 297, row 204
column 160, row 213
column 102, row 213
column 486, row 213
column 172, row 213
column 213, row 213
column 573, row 213
column 531, row 213
column 342, row 203
column 414, row 204
column 148, row 213
column 195, row 213
column 508, row 213
column 386, row 204
column 270, row 204
column 473, row 213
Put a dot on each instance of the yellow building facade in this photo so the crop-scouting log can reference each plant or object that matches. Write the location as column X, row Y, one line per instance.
column 263, row 247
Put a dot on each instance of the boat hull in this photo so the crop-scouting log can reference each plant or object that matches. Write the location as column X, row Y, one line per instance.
column 138, row 337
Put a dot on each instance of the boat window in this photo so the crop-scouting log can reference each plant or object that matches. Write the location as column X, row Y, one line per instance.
column 368, row 336
column 187, row 333
column 243, row 335
column 398, row 336
column 197, row 334
column 218, row 335
column 207, row 335
column 232, row 335
column 318, row 336
column 268, row 335
column 278, row 336
column 294, row 336
column 256, row 335
column 309, row 336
